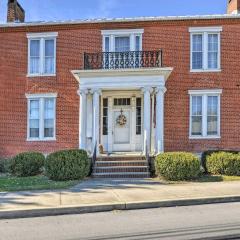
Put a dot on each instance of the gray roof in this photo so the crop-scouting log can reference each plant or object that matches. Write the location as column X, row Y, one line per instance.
column 117, row 20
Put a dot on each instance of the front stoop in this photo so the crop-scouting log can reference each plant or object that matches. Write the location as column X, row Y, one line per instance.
column 121, row 167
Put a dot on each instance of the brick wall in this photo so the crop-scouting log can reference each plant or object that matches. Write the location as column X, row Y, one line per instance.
column 73, row 40
column 233, row 5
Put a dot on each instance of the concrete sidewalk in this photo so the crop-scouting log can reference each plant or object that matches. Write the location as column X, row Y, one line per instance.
column 104, row 195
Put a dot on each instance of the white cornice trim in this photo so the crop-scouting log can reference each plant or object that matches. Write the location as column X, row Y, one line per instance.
column 122, row 72
column 120, row 20
column 205, row 91
column 122, row 31
column 42, row 35
column 205, row 29
column 41, row 95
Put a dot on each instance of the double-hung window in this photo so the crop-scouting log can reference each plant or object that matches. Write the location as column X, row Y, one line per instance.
column 41, row 117
column 41, row 54
column 205, row 113
column 122, row 48
column 205, row 49
column 122, row 40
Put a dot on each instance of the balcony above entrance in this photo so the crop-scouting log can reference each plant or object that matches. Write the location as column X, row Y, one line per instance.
column 123, row 60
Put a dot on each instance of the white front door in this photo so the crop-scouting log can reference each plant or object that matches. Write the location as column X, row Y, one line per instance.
column 121, row 130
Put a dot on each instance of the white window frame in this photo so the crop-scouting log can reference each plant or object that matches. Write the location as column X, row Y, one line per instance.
column 205, row 31
column 41, row 98
column 42, row 37
column 112, row 34
column 205, row 94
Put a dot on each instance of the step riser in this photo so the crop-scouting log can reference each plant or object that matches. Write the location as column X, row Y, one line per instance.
column 120, row 170
column 121, row 159
column 121, row 164
column 121, row 176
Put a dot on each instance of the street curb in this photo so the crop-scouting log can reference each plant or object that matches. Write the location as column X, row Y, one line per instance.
column 111, row 207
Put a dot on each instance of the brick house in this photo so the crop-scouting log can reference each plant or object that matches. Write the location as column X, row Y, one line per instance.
column 132, row 85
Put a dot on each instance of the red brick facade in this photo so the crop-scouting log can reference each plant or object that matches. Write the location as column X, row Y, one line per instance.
column 73, row 40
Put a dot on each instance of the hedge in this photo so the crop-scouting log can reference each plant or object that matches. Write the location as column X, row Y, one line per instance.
column 209, row 152
column 26, row 164
column 177, row 166
column 224, row 163
column 4, row 165
column 67, row 165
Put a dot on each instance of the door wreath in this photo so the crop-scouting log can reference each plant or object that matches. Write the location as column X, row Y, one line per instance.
column 121, row 119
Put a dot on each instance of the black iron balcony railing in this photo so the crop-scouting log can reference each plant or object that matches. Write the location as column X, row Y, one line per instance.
column 120, row 60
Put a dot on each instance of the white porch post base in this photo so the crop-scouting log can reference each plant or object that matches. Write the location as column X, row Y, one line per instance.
column 160, row 119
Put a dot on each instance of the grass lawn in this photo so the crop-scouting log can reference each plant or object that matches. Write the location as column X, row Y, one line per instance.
column 9, row 183
column 217, row 178
column 203, row 179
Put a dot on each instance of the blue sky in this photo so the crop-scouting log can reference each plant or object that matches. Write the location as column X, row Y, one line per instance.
column 81, row 9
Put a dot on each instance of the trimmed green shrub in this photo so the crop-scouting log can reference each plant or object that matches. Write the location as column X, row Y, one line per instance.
column 177, row 166
column 209, row 152
column 224, row 163
column 26, row 164
column 67, row 165
column 4, row 165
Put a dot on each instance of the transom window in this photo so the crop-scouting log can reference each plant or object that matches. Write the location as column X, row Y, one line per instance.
column 122, row 101
column 205, row 49
column 41, row 117
column 42, row 54
column 204, row 114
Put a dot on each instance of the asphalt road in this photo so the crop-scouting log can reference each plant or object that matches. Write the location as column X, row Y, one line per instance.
column 218, row 221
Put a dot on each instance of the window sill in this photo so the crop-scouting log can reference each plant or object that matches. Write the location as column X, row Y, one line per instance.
column 204, row 138
column 204, row 70
column 41, row 75
column 41, row 140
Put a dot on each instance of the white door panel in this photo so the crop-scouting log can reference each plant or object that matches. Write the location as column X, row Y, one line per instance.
column 121, row 133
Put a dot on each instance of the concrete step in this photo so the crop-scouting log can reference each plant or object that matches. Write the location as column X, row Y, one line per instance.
column 120, row 169
column 122, row 175
column 133, row 163
column 121, row 166
column 121, row 158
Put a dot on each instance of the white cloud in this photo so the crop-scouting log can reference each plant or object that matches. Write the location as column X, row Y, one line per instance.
column 104, row 9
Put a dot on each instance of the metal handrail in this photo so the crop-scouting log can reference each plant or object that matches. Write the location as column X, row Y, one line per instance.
column 121, row 60
column 94, row 156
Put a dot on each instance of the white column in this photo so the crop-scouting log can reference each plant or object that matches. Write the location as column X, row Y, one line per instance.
column 153, row 145
column 82, row 118
column 160, row 119
column 147, row 119
column 110, row 127
column 89, row 115
column 96, row 118
column 133, row 125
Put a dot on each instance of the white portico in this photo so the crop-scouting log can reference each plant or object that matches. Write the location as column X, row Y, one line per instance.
column 122, row 110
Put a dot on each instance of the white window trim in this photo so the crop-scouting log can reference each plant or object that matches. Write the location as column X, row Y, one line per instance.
column 205, row 31
column 41, row 98
column 132, row 33
column 42, row 37
column 205, row 94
